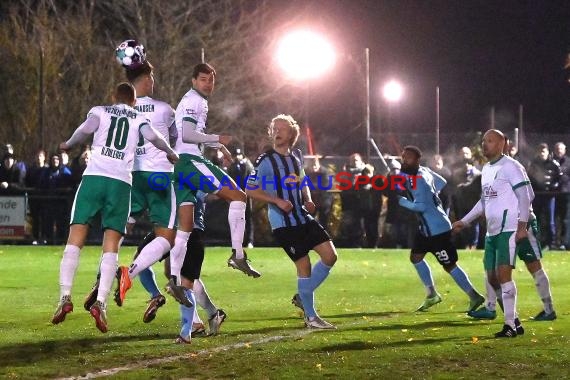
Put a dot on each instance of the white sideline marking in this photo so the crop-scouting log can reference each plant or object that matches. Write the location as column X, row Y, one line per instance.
column 152, row 362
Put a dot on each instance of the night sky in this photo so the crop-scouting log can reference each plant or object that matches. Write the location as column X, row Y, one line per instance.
column 481, row 54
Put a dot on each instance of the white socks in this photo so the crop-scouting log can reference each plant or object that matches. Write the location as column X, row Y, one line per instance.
column 108, row 270
column 67, row 269
column 491, row 295
column 543, row 287
column 177, row 254
column 150, row 254
column 236, row 220
column 509, row 291
column 203, row 298
column 196, row 318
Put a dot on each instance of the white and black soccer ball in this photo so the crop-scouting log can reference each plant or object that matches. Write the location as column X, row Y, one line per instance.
column 130, row 54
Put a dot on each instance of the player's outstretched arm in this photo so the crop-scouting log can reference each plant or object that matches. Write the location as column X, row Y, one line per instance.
column 82, row 132
column 458, row 226
column 191, row 135
column 158, row 141
column 473, row 214
column 307, row 200
column 226, row 152
column 260, row 195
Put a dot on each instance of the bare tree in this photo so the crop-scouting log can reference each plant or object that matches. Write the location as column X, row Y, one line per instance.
column 57, row 61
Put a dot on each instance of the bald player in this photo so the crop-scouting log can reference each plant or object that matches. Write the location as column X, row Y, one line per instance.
column 505, row 202
column 531, row 255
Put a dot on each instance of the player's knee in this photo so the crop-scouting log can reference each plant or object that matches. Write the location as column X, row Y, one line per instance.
column 448, row 267
column 533, row 266
column 331, row 259
column 241, row 197
column 414, row 259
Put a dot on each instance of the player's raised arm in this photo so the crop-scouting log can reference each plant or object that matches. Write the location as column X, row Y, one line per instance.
column 473, row 214
column 191, row 135
column 158, row 141
column 172, row 134
column 260, row 195
column 88, row 127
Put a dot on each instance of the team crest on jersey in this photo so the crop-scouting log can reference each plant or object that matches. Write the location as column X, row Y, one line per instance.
column 488, row 192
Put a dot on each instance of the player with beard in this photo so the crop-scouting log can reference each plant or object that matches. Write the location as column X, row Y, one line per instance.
column 434, row 233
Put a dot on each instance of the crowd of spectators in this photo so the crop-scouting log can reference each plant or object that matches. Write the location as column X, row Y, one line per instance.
column 369, row 217
column 49, row 181
column 362, row 208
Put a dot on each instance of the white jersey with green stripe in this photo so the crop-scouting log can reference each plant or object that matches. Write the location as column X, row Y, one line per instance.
column 115, row 141
column 499, row 180
column 193, row 108
column 148, row 157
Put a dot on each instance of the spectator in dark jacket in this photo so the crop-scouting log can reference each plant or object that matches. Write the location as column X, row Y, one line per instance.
column 321, row 178
column 544, row 174
column 10, row 177
column 58, row 183
column 34, row 177
column 563, row 198
column 438, row 167
column 21, row 165
column 400, row 225
column 352, row 231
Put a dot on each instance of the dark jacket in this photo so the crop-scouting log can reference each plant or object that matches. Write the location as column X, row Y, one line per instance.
column 564, row 163
column 544, row 175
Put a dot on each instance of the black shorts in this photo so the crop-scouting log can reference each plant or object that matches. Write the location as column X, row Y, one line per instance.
column 192, row 266
column 297, row 241
column 440, row 245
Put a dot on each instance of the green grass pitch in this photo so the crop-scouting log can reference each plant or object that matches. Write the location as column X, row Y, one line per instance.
column 370, row 295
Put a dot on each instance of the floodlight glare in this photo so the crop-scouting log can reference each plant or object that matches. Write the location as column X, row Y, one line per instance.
column 304, row 55
column 393, row 91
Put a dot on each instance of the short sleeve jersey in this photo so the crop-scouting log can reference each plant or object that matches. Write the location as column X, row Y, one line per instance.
column 147, row 156
column 115, row 141
column 281, row 176
column 499, row 180
column 423, row 199
column 193, row 107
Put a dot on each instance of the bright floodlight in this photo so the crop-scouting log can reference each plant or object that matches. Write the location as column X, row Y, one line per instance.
column 393, row 91
column 304, row 55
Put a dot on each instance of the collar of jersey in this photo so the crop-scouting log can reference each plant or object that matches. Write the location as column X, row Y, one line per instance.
column 282, row 155
column 198, row 92
column 497, row 160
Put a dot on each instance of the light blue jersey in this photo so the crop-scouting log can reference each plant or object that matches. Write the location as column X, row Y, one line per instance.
column 280, row 176
column 424, row 201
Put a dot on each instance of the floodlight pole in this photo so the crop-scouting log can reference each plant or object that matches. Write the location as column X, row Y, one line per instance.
column 41, row 96
column 437, row 120
column 367, row 108
column 521, row 123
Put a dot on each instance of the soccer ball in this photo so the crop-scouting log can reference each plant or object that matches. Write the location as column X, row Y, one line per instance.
column 130, row 54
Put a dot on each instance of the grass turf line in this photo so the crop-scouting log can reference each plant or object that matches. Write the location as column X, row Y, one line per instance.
column 370, row 294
